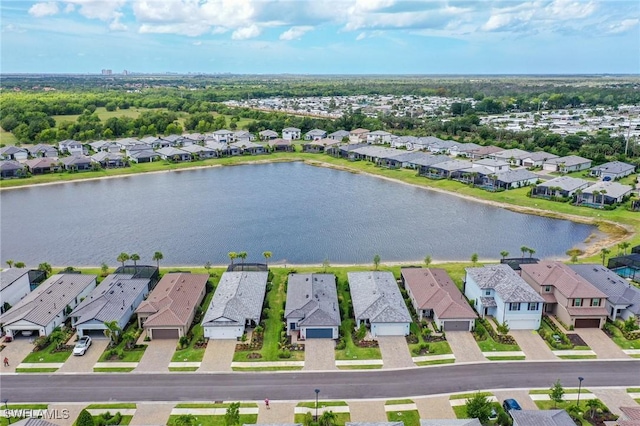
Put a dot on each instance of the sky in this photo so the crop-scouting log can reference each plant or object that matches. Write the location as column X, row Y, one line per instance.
column 321, row 36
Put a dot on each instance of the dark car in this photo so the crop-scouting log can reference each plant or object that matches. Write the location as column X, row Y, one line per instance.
column 511, row 404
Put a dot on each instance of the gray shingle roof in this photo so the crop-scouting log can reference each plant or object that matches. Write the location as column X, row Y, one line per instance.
column 171, row 151
column 566, row 183
column 10, row 275
column 109, row 301
column 339, row 134
column 452, row 165
column 238, row 297
column 516, row 175
column 505, row 282
column 569, row 160
column 314, row 298
column 541, row 418
column 539, row 156
column 376, row 296
column 615, row 167
column 614, row 189
column 50, row 298
column 617, row 289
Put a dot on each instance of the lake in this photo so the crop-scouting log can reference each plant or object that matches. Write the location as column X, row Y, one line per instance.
column 302, row 214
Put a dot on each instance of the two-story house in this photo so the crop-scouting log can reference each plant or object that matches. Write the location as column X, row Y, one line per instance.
column 498, row 291
column 71, row 147
column 574, row 300
column 291, row 133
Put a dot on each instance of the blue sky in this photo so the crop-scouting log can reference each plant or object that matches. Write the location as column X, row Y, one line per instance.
column 321, row 36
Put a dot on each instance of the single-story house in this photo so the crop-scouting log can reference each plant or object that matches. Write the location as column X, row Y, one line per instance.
column 623, row 300
column 108, row 159
column 564, row 186
column 512, row 156
column 484, row 152
column 107, row 146
column 146, row 156
column 612, row 170
column 42, row 150
column 541, row 418
column 434, row 295
column 193, row 138
column 570, row 163
column 174, row 154
column 236, row 304
column 338, row 135
column 378, row 304
column 358, row 135
column 318, row 145
column 200, row 151
column 221, row 148
column 76, row 162
column 222, row 136
column 451, row 168
column 114, row 299
column 434, row 144
column 12, row 152
column 424, row 164
column 291, row 133
column 344, row 151
column 11, row 169
column 408, row 159
column 536, row 159
column 137, row 147
column 40, row 165
column 464, row 149
column 48, row 305
column 155, row 142
column 247, row 147
column 498, row 291
column 312, row 306
column 379, row 137
column 566, row 294
column 170, row 308
column 266, row 135
column 279, row 144
column 243, row 136
column 403, row 142
column 495, row 166
column 516, row 178
column 71, row 147
column 173, row 140
column 15, row 284
column 605, row 192
column 315, row 134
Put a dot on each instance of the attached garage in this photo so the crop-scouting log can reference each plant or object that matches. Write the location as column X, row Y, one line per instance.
column 523, row 324
column 457, row 325
column 222, row 332
column 318, row 333
column 164, row 333
column 390, row 329
column 587, row 323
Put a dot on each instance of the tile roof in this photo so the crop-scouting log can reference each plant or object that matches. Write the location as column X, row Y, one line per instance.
column 314, row 298
column 563, row 278
column 49, row 299
column 173, row 300
column 541, row 418
column 505, row 282
column 433, row 289
column 11, row 275
column 376, row 296
column 617, row 289
column 614, row 189
column 566, row 183
column 238, row 297
column 614, row 167
column 10, row 165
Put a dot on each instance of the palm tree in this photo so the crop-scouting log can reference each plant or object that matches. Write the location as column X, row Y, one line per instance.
column 10, row 263
column 594, row 195
column 328, row 418
column 242, row 255
column 56, row 337
column 123, row 257
column 112, row 332
column 602, row 194
column 46, row 268
column 232, row 255
column 135, row 257
column 427, row 260
column 524, row 249
column 579, row 196
column 129, row 339
column 624, row 246
column 376, row 261
column 267, row 255
column 20, row 265
column 504, row 254
column 531, row 252
column 158, row 256
column 603, row 253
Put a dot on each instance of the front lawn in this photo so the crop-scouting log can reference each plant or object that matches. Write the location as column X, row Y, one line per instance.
column 120, row 353
column 435, row 362
column 216, row 420
column 490, row 345
column 410, row 418
column 567, row 405
column 191, row 353
column 49, row 354
column 341, row 418
column 616, row 335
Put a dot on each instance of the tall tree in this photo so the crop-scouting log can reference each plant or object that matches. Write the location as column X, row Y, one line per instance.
column 504, row 254
column 328, row 418
column 123, row 257
column 242, row 255
column 427, row 260
column 376, row 261
column 267, row 255
column 474, row 258
column 104, row 268
column 112, row 332
column 524, row 249
column 158, row 256
column 531, row 252
column 135, row 257
column 604, row 252
column 478, row 407
column 624, row 246
column 46, row 268
column 232, row 255
column 10, row 263
column 232, row 416
column 556, row 394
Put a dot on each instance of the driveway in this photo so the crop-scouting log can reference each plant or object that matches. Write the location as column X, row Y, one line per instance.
column 367, row 411
column 522, row 396
column 436, row 407
column 218, row 355
column 600, row 343
column 152, row 414
column 464, row 346
column 534, row 348
column 319, row 354
column 85, row 363
column 16, row 351
column 614, row 399
column 395, row 352
column 157, row 356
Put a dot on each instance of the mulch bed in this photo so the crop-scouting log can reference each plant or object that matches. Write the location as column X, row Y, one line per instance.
column 576, row 340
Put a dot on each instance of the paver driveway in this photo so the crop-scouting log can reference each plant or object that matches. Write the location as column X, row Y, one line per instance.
column 278, row 413
column 435, row 407
column 367, row 411
column 218, row 356
column 522, row 396
column 464, row 346
column 532, row 345
column 614, row 399
column 319, row 354
column 395, row 352
column 85, row 363
column 152, row 414
column 16, row 351
column 600, row 343
column 157, row 356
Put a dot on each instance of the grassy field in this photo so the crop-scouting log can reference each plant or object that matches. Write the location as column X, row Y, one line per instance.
column 7, row 138
column 410, row 418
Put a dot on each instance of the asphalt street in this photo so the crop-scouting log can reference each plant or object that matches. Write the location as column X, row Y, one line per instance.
column 300, row 386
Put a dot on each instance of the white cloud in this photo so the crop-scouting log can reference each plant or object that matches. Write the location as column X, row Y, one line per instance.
column 197, row 43
column 294, row 33
column 361, row 36
column 116, row 25
column 104, row 10
column 43, row 9
column 624, row 26
column 245, row 33
column 69, row 8
column 179, row 28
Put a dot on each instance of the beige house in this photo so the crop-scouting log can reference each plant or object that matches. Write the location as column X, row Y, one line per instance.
column 170, row 308
column 573, row 300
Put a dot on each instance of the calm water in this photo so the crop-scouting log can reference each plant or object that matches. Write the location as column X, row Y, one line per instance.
column 302, row 214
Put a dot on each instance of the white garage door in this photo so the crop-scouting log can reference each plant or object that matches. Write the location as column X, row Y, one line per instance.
column 523, row 324
column 387, row 329
column 223, row 332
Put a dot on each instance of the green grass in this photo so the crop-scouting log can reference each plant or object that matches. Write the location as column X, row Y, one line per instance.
column 399, row 402
column 214, row 405
column 191, row 354
column 550, row 405
column 341, row 418
column 360, row 367
column 113, row 369
column 312, row 404
column 490, row 345
column 121, row 405
column 183, row 369
column 460, row 411
column 468, row 395
column 216, row 420
column 7, row 138
column 36, row 370
column 410, row 418
column 46, row 355
column 266, row 368
column 104, row 115
column 506, row 358
column 435, row 362
column 124, row 420
column 548, row 391
column 134, row 355
column 622, row 341
column 5, row 421
column 633, row 390
column 435, row 348
column 577, row 356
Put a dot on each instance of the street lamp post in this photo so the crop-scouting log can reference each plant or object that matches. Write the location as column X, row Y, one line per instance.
column 317, row 391
column 580, row 379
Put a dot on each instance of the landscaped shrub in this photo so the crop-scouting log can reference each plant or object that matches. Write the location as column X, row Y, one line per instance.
column 341, row 344
column 284, row 353
column 422, row 349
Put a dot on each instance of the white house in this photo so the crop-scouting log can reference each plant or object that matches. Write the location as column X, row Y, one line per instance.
column 14, row 285
column 612, row 170
column 570, row 163
column 223, row 136
column 498, row 291
column 315, row 134
column 71, row 147
column 379, row 137
column 312, row 306
column 495, row 166
column 290, row 133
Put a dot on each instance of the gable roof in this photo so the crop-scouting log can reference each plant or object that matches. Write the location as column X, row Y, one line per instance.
column 171, row 151
column 516, row 175
column 563, row 278
column 433, row 288
column 505, row 282
column 11, row 165
column 75, row 159
column 49, row 299
column 314, row 298
column 617, row 289
column 566, row 183
column 613, row 189
column 238, row 297
column 173, row 300
column 375, row 296
column 511, row 153
column 569, row 160
column 41, row 162
column 539, row 156
column 11, row 275
column 614, row 167
column 541, row 418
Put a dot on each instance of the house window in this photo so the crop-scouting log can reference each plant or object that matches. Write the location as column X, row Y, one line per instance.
column 533, row 306
column 577, row 302
column 595, row 302
column 514, row 306
column 547, row 288
column 487, row 293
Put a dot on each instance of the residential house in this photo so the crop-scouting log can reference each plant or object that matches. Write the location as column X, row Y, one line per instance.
column 378, row 304
column 312, row 307
column 174, row 154
column 408, row 159
column 434, row 295
column 114, row 299
column 170, row 308
column 379, row 137
column 12, row 152
column 449, row 169
column 76, row 162
column 145, row 156
column 41, row 165
column 358, row 135
column 236, row 304
column 494, row 166
column 570, row 163
column 403, row 142
column 48, row 305
column 622, row 298
column 71, row 147
column 243, row 136
column 563, row 186
column 193, row 138
column 498, row 291
column 42, row 150
column 109, row 146
column 338, row 135
column 266, row 135
column 484, row 152
column 435, row 145
column 612, row 170
column 291, row 133
column 566, row 294
column 15, row 284
column 516, row 178
column 223, row 136
column 315, row 134
column 127, row 142
column 511, row 156
column 108, row 160
column 155, row 142
column 536, row 159
column 425, row 164
column 11, row 169
column 246, row 147
column 173, row 140
column 199, row 151
column 605, row 192
column 279, row 144
column 137, row 147
column 464, row 150
column 344, row 151
column 318, row 145
column 541, row 418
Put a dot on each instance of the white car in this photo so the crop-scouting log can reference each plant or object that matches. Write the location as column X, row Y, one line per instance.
column 82, row 346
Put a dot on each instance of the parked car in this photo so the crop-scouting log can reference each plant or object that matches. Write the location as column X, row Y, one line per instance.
column 511, row 404
column 81, row 347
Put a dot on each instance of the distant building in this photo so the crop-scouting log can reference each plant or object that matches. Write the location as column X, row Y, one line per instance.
column 107, row 72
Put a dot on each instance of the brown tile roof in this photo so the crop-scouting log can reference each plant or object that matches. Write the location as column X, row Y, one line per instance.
column 433, row 289
column 173, row 300
column 631, row 413
column 564, row 279
column 587, row 311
